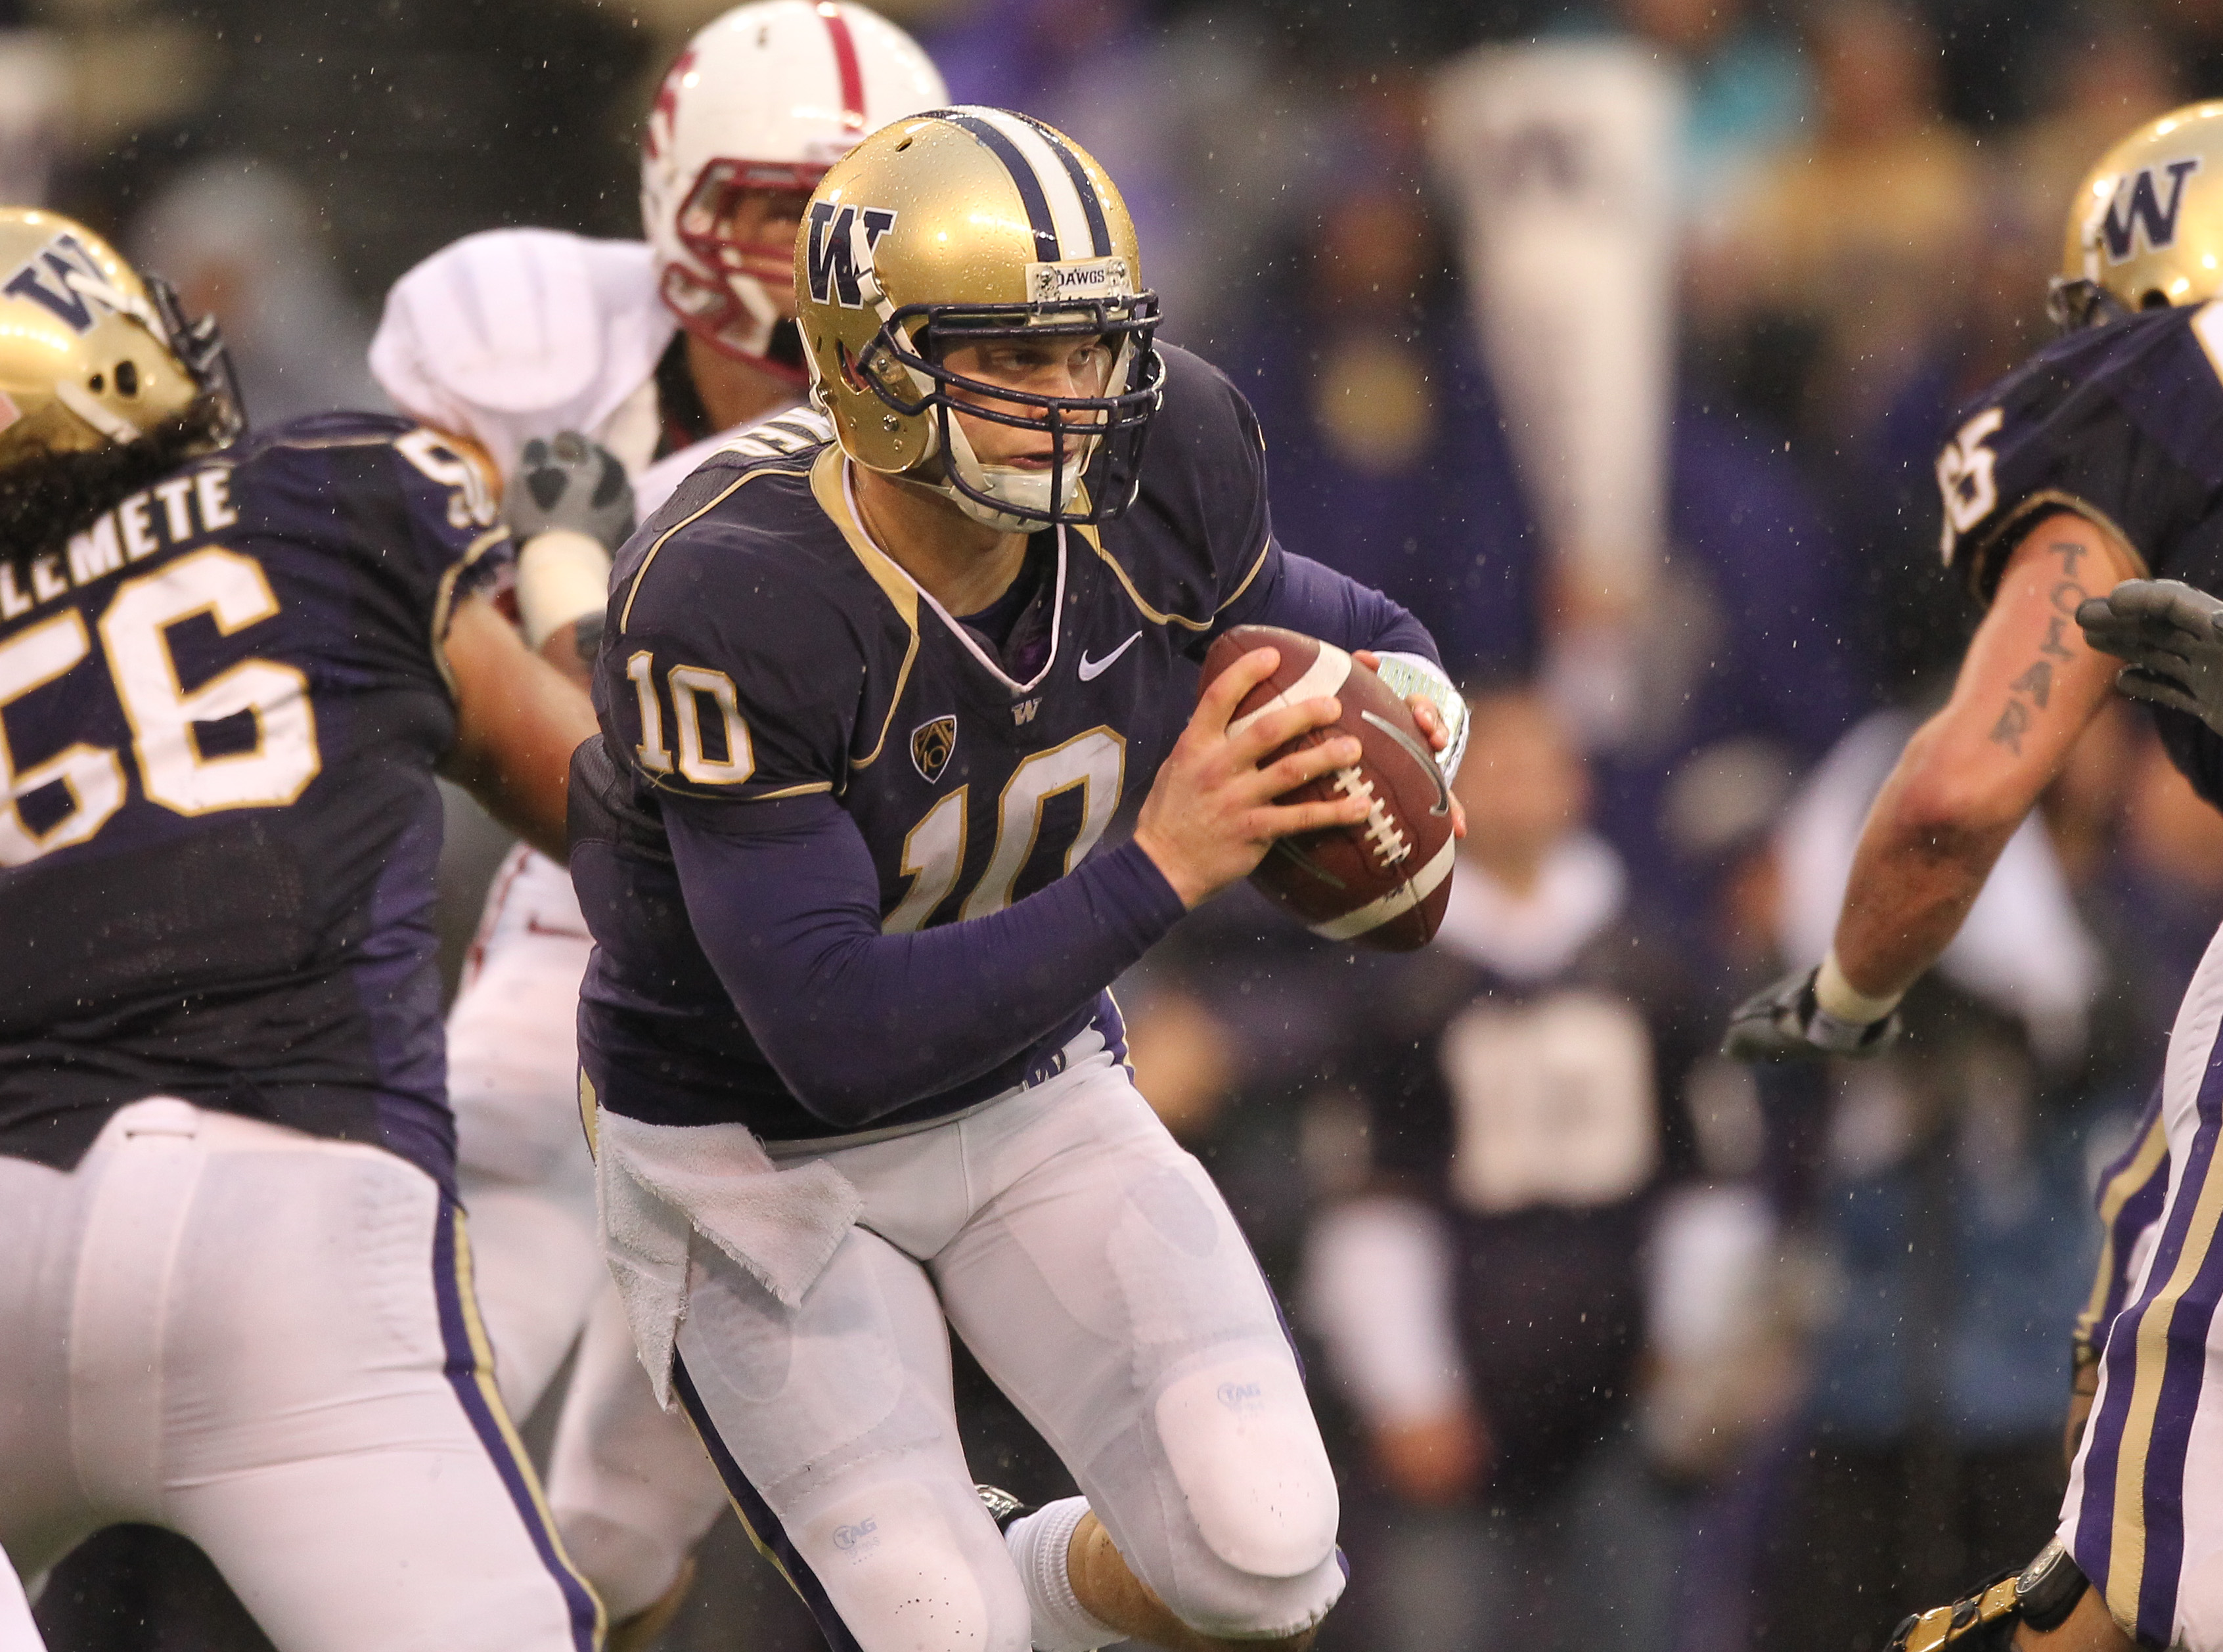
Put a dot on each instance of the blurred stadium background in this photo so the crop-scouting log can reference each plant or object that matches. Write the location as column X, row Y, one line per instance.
column 1617, row 341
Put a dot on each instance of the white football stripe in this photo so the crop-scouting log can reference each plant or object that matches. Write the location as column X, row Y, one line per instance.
column 1329, row 671
column 1399, row 901
column 1067, row 214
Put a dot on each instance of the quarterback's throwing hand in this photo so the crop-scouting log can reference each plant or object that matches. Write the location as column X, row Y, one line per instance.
column 1211, row 815
column 1785, row 1023
column 2168, row 632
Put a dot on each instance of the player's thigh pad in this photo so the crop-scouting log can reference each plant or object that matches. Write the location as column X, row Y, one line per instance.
column 43, row 1511
column 331, row 1435
column 1106, row 1288
column 836, row 1430
column 632, row 1489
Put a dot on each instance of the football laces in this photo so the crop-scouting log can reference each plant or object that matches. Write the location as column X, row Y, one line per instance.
column 1388, row 843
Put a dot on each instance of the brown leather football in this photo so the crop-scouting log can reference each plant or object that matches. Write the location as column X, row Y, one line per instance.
column 1384, row 882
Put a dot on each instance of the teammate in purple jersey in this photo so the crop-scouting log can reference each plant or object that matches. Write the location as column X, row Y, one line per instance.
column 235, row 1289
column 2098, row 462
column 873, row 685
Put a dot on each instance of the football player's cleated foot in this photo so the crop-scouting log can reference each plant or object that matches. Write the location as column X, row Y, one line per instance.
column 1003, row 1508
column 2042, row 1594
column 646, row 1627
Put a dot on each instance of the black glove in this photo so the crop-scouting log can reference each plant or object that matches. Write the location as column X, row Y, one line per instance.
column 2170, row 634
column 572, row 483
column 1784, row 1024
column 2042, row 1594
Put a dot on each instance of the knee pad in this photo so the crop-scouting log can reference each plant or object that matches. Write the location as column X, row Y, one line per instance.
column 896, row 1567
column 1239, row 1436
column 1242, row 1446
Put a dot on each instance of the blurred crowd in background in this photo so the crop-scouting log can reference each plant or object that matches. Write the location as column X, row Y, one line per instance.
column 1618, row 342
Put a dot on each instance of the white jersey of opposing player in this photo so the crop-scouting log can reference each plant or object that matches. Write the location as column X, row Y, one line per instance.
column 513, row 334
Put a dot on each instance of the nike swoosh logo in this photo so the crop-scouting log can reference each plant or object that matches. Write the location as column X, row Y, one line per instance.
column 1092, row 668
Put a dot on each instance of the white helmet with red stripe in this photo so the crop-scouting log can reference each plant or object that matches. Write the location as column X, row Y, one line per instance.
column 762, row 101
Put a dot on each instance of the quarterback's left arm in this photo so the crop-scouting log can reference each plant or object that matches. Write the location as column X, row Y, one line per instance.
column 1301, row 595
column 517, row 720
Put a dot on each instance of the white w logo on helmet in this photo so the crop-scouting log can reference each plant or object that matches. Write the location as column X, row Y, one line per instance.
column 62, row 276
column 838, row 258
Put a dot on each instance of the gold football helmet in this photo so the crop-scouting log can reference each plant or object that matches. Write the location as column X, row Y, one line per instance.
column 965, row 226
column 2145, row 229
column 92, row 354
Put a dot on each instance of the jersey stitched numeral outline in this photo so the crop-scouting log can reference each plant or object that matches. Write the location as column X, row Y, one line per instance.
column 1965, row 479
column 232, row 590
column 1094, row 762
column 689, row 685
column 92, row 773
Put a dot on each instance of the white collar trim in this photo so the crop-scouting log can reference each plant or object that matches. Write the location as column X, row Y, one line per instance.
column 956, row 627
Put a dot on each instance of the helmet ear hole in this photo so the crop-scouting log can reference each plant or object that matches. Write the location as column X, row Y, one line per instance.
column 2153, row 299
column 127, row 378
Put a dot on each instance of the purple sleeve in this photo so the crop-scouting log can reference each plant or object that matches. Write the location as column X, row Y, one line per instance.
column 1299, row 594
column 858, row 1023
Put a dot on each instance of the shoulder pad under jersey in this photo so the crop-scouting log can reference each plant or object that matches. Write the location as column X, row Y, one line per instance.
column 2122, row 424
column 1197, row 534
column 511, row 334
column 780, row 435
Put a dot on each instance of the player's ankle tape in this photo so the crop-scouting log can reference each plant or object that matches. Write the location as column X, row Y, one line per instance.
column 1837, row 998
column 1039, row 1545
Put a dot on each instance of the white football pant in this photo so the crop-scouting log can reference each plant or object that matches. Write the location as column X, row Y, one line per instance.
column 631, row 1490
column 267, row 1342
column 1094, row 1269
column 2144, row 1513
column 17, row 1632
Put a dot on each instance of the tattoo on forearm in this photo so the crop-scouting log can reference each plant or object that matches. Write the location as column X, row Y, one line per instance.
column 2035, row 686
column 2008, row 731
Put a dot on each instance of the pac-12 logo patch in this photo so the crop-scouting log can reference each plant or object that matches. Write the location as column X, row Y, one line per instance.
column 931, row 743
column 841, row 245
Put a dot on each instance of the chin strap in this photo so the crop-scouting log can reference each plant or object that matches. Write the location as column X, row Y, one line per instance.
column 1409, row 674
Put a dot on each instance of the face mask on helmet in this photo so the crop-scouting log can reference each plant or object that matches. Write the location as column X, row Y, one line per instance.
column 739, row 223
column 1096, row 436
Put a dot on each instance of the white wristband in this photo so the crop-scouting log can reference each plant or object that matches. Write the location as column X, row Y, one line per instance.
column 561, row 576
column 1409, row 674
column 1836, row 997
